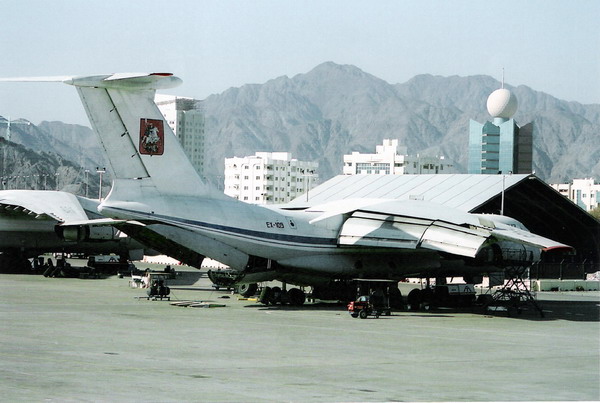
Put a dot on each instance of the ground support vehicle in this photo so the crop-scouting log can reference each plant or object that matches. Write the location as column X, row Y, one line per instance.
column 373, row 298
column 222, row 278
column 363, row 307
column 442, row 295
column 108, row 264
column 159, row 290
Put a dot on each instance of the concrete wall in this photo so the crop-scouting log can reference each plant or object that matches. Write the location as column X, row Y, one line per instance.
column 565, row 285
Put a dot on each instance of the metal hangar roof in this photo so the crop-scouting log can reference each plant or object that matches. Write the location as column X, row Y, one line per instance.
column 462, row 192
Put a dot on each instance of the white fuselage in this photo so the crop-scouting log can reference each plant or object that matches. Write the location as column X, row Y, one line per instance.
column 231, row 231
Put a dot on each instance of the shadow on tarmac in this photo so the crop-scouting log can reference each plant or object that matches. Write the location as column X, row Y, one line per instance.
column 579, row 311
column 192, row 288
column 319, row 306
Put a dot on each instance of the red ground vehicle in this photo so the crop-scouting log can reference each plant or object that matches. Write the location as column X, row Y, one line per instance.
column 368, row 305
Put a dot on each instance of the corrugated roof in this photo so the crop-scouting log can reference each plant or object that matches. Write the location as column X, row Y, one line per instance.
column 462, row 192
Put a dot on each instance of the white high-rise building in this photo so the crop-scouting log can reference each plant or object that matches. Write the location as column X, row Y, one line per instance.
column 583, row 192
column 186, row 118
column 267, row 178
column 390, row 159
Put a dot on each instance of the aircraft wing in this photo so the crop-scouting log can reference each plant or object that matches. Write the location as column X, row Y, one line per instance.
column 412, row 225
column 419, row 224
column 41, row 205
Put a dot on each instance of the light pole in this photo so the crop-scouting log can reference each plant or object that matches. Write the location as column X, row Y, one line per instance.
column 307, row 174
column 87, row 174
column 101, row 172
column 503, row 190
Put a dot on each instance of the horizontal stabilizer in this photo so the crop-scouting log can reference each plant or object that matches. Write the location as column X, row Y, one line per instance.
column 137, row 81
column 128, row 81
column 44, row 79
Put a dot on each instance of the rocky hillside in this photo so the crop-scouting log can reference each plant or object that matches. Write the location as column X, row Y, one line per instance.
column 22, row 168
column 52, row 156
column 72, row 142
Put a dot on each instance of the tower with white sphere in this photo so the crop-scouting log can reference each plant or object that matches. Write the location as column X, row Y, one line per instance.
column 500, row 146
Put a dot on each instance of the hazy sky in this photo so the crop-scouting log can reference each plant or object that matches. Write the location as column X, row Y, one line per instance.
column 550, row 46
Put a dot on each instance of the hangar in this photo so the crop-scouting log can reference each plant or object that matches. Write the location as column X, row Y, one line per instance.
column 524, row 197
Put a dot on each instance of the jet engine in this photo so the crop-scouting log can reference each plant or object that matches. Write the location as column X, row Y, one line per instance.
column 89, row 233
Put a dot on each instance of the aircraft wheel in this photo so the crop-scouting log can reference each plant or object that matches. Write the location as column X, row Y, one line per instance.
column 265, row 296
column 396, row 298
column 414, row 299
column 275, row 295
column 48, row 271
column 296, row 297
column 485, row 299
column 363, row 314
column 247, row 290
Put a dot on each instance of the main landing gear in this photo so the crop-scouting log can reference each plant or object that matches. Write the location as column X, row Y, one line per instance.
column 276, row 295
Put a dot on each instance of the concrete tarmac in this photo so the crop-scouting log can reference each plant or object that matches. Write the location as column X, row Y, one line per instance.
column 72, row 340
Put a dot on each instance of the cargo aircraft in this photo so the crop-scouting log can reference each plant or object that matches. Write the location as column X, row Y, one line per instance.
column 158, row 197
column 30, row 224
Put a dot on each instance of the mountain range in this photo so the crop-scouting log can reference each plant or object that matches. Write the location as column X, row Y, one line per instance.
column 53, row 156
column 337, row 109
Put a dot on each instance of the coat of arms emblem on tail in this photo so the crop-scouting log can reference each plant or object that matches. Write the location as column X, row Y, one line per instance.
column 152, row 137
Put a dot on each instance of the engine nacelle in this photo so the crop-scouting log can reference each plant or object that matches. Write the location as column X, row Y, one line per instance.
column 507, row 254
column 89, row 233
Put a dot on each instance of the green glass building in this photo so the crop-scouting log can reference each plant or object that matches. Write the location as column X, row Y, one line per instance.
column 500, row 146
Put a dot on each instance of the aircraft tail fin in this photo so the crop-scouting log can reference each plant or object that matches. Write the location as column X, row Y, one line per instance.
column 137, row 140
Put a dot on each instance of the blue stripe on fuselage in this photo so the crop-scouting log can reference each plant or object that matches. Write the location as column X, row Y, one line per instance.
column 234, row 231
